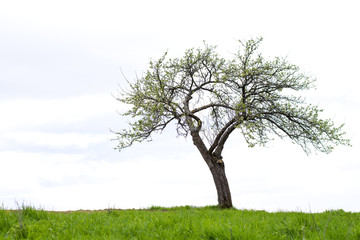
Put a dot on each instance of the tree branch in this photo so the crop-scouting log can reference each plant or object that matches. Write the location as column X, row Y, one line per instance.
column 222, row 136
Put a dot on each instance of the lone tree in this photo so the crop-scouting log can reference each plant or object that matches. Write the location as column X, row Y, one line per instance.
column 209, row 97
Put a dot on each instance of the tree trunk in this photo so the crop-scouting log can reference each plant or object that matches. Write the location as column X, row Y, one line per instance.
column 217, row 169
column 221, row 183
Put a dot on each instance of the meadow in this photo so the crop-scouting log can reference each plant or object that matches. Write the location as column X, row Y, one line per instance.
column 177, row 223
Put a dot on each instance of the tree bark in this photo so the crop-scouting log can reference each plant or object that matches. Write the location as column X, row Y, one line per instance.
column 221, row 183
column 217, row 169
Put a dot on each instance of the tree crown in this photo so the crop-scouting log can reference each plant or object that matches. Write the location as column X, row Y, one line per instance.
column 206, row 94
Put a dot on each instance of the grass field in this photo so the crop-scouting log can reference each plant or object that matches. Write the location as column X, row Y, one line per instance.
column 177, row 223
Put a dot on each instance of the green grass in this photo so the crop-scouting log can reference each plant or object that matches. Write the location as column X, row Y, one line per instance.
column 177, row 223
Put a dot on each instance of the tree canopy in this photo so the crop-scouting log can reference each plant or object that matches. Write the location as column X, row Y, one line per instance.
column 206, row 94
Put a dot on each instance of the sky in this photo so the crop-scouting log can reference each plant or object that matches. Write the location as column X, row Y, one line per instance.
column 62, row 62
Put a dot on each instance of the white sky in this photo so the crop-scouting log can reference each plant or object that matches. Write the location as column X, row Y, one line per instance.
column 60, row 62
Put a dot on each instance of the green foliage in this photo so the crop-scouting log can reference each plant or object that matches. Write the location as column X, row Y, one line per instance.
column 179, row 223
column 207, row 94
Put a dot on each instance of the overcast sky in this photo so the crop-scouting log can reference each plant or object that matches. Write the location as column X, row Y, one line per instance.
column 60, row 65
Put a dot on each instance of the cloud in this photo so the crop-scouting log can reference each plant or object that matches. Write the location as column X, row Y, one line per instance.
column 53, row 179
column 66, row 125
column 45, row 67
column 44, row 140
column 29, row 113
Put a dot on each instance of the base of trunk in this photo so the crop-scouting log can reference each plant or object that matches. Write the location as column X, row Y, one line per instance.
column 217, row 169
column 221, row 183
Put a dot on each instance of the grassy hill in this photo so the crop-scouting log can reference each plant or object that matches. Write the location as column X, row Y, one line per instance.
column 177, row 223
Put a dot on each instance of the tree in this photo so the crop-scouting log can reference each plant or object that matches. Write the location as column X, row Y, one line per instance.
column 209, row 97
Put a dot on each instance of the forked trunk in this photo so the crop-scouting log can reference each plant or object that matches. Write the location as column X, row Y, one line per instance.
column 217, row 169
